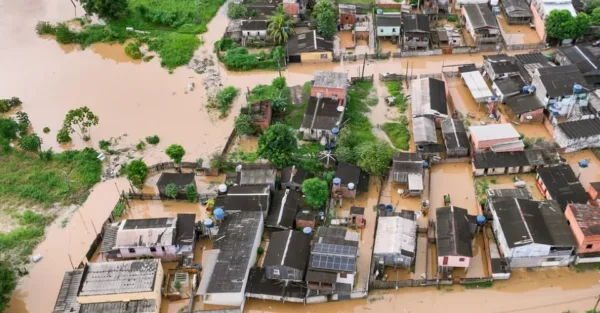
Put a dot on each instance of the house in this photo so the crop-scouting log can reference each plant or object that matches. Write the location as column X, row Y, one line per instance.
column 431, row 9
column 500, row 66
column 294, row 7
column 306, row 218
column 226, row 266
column 333, row 259
column 332, row 85
column 347, row 15
column 584, row 220
column 284, row 207
column 122, row 286
column 502, row 163
column 286, row 259
column 250, row 198
column 349, row 181
column 234, row 30
column 530, row 62
column 556, row 86
column 496, row 137
column 260, row 287
column 424, row 131
column 460, row 3
column 168, row 238
column 578, row 134
column 395, row 239
column 181, row 180
column 322, row 115
column 481, row 23
column 516, row 12
column 526, row 107
column 309, row 48
column 455, row 138
column 260, row 113
column 429, row 98
column 415, row 31
column 541, row 10
column 261, row 9
column 448, row 38
column 586, row 62
column 292, row 177
column 560, row 183
column 454, row 234
column 256, row 174
column 531, row 233
column 388, row 26
column 253, row 30
column 505, row 88
column 517, row 193
column 407, row 168
column 476, row 84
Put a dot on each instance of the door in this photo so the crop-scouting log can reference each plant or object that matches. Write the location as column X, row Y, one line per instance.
column 295, row 59
column 445, row 261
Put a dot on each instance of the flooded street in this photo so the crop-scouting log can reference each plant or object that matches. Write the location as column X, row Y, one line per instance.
column 586, row 175
column 517, row 34
column 455, row 180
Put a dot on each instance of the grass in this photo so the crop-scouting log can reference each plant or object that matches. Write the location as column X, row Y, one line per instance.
column 17, row 245
column 398, row 134
column 356, row 120
column 295, row 113
column 66, row 179
column 478, row 285
column 395, row 90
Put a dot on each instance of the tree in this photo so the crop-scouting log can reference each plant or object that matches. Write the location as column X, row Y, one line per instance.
column 581, row 24
column 375, row 157
column 326, row 18
column 560, row 24
column 175, row 152
column 346, row 146
column 235, row 11
column 82, row 118
column 8, row 282
column 278, row 54
column 591, row 5
column 243, row 125
column 9, row 128
column 316, row 192
column 280, row 26
column 279, row 82
column 136, row 172
column 31, row 142
column 63, row 136
column 171, row 191
column 106, row 9
column 279, row 103
column 278, row 144
column 191, row 193
column 595, row 17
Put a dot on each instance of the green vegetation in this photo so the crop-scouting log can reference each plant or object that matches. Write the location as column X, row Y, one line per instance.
column 316, row 192
column 137, row 172
column 191, row 193
column 106, row 9
column 175, row 152
column 79, row 121
column 244, row 126
column 8, row 104
column 171, row 191
column 451, row 18
column 141, row 145
column 395, row 90
column 399, row 135
column 281, row 25
column 63, row 136
column 8, row 282
column 560, row 24
column 46, row 130
column 153, row 140
column 223, row 100
column 484, row 284
column 481, row 187
column 591, row 5
column 132, row 49
column 375, row 157
column 236, row 58
column 31, row 142
column 119, row 208
column 278, row 145
column 326, row 14
column 235, row 11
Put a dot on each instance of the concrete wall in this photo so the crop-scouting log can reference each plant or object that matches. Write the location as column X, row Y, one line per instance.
column 388, row 31
column 291, row 8
column 582, row 240
column 482, row 145
column 255, row 33
column 348, row 280
column 536, row 116
column 168, row 255
column 540, row 25
column 316, row 57
column 328, row 92
column 454, row 261
column 572, row 145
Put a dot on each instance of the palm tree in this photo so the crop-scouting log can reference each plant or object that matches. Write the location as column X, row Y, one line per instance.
column 280, row 26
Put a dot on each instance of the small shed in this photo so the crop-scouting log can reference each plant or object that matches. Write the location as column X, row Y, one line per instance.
column 407, row 168
column 477, row 86
column 526, row 107
column 396, row 238
column 455, row 138
column 292, row 177
column 424, row 131
column 181, row 180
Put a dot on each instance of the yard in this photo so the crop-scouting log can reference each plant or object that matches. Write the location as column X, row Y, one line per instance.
column 517, row 34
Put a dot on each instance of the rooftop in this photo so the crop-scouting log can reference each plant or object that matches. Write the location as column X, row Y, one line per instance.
column 333, row 257
column 134, row 306
column 580, row 128
column 585, row 61
column 259, row 284
column 480, row 16
column 477, row 85
column 519, row 193
column 186, row 225
column 494, row 132
column 388, row 20
column 490, row 159
column 562, row 185
column 453, row 232
column 337, row 236
column 524, row 103
column 287, row 255
column 502, row 63
column 528, row 221
column 348, row 173
column 588, row 218
column 253, row 25
column 284, row 206
column 455, row 134
column 517, row 8
column 415, row 23
column 330, row 79
column 110, row 278
column 139, row 233
column 396, row 235
column 248, row 198
column 257, row 174
column 405, row 162
column 559, row 80
column 321, row 113
column 293, row 174
column 424, row 130
column 428, row 97
column 510, row 85
column 532, row 58
column 307, row 42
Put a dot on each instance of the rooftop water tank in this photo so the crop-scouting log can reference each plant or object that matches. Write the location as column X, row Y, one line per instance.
column 481, row 219
column 337, row 181
column 340, row 108
column 425, row 164
column 321, row 213
column 307, row 230
column 350, row 186
column 583, row 163
column 222, row 188
column 238, row 168
column 577, row 88
column 219, row 213
column 492, row 116
column 389, row 208
column 208, row 223
column 379, row 11
column 335, row 130
column 381, row 206
column 493, row 98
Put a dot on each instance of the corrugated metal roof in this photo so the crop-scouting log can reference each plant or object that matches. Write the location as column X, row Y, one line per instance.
column 394, row 234
column 494, row 131
column 477, row 85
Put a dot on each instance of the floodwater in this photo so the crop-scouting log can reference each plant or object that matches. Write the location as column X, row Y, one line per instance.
column 517, row 34
column 457, row 181
column 465, row 104
column 478, row 267
column 388, row 46
column 586, row 175
column 346, row 40
column 507, row 182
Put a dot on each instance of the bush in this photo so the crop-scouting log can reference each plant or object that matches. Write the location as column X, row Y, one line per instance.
column 191, row 193
column 31, row 142
column 46, row 155
column 175, row 49
column 399, row 135
column 63, row 136
column 279, row 82
column 136, row 172
column 171, row 191
column 140, row 145
column 44, row 28
column 46, row 130
column 235, row 11
column 316, row 192
column 64, row 35
column 451, row 18
column 260, row 250
column 7, row 104
column 8, row 283
column 133, row 50
column 119, row 209
column 104, row 145
column 223, row 99
column 9, row 128
column 153, row 140
column 175, row 152
column 244, row 126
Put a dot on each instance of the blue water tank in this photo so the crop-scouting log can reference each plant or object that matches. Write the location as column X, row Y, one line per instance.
column 379, row 11
column 389, row 208
column 307, row 230
column 525, row 89
column 219, row 213
column 381, row 206
column 321, row 214
column 337, row 181
column 481, row 219
column 492, row 116
column 493, row 98
column 531, row 88
column 577, row 88
column 583, row 163
column 425, row 164
column 335, row 130
column 208, row 223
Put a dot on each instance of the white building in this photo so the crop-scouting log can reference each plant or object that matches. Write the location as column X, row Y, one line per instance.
column 396, row 238
column 577, row 134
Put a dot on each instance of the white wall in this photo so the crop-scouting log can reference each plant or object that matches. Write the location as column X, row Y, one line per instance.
column 255, row 33
column 348, row 280
column 226, row 298
column 169, row 254
column 454, row 261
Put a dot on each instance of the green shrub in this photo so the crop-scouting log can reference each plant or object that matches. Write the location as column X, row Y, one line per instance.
column 244, row 126
column 46, row 155
column 279, row 82
column 7, row 104
column 46, row 130
column 31, row 142
column 223, row 99
column 260, row 250
column 63, row 136
column 171, row 191
column 153, row 140
column 451, row 18
column 191, row 193
column 104, row 145
column 119, row 209
column 398, row 134
column 133, row 50
column 140, row 145
column 44, row 28
column 9, row 128
column 137, row 172
column 235, row 11
column 175, row 49
column 64, row 35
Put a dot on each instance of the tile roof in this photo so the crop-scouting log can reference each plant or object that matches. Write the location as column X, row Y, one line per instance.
column 562, row 185
column 424, row 130
column 429, row 97
column 455, row 134
column 388, row 20
column 396, row 235
column 502, row 63
column 588, row 218
column 524, row 103
column 66, row 301
column 284, row 206
column 510, row 85
column 257, row 174
column 338, row 236
column 287, row 255
column 253, row 25
column 580, row 128
column 293, row 174
column 185, row 228
column 517, row 8
column 453, row 232
column 133, row 306
column 251, row 198
column 494, row 131
column 330, row 79
column 531, row 58
column 480, row 15
column 415, row 23
column 259, row 284
column 348, row 173
column 585, row 61
column 321, row 113
column 490, row 159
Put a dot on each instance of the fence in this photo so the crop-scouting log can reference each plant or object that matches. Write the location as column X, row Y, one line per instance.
column 151, row 196
column 169, row 165
column 452, row 160
column 394, row 77
column 378, row 284
column 476, row 281
column 355, row 80
column 421, row 53
column 530, row 46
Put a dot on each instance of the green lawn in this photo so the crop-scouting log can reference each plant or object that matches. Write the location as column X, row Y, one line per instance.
column 295, row 113
column 398, row 134
column 357, row 122
column 395, row 90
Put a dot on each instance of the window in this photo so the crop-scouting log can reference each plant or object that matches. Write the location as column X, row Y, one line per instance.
column 551, row 259
column 131, row 250
column 589, row 246
column 381, row 30
column 343, row 275
column 152, row 249
column 323, row 55
column 461, row 259
column 393, row 30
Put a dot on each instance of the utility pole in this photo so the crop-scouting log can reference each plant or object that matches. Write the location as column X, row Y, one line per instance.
column 596, row 306
column 406, row 75
column 364, row 63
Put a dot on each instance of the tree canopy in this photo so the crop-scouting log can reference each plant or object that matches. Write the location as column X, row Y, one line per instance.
column 560, row 24
column 280, row 26
column 235, row 10
column 326, row 16
column 171, row 191
column 79, row 121
column 316, row 192
column 106, row 9
column 375, row 157
column 8, row 282
column 243, row 125
column 136, row 172
column 278, row 144
column 175, row 152
column 591, row 5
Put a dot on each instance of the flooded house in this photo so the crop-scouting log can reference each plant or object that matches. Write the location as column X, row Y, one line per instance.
column 256, row 174
column 333, row 85
column 181, row 180
column 527, row 108
column 531, row 61
column 407, row 168
column 395, row 239
column 481, row 24
column 322, row 119
column 531, row 233
column 388, row 26
column 584, row 220
column 293, row 176
column 347, row 15
column 516, row 12
column 455, row 138
column 123, row 286
column 234, row 30
column 284, row 207
column 350, row 180
column 415, row 32
column 253, row 30
column 294, row 8
column 250, row 198
column 507, row 87
column 170, row 238
column 453, row 236
column 477, row 86
column 495, row 137
column 226, row 266
column 586, row 62
column 561, row 89
column 332, row 264
column 577, row 134
column 429, row 99
column 541, row 10
column 309, row 48
column 560, row 183
column 515, row 162
column 500, row 66
column 260, row 114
